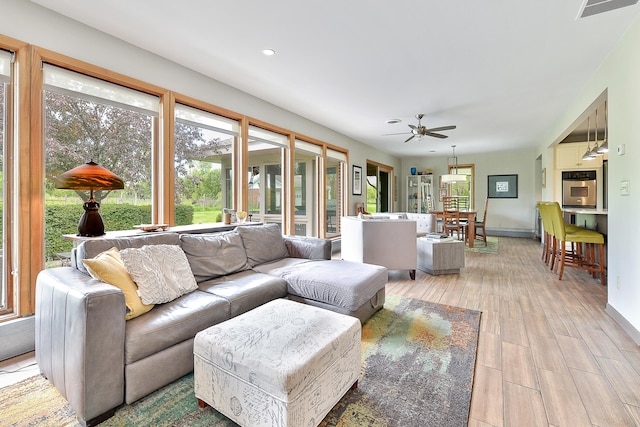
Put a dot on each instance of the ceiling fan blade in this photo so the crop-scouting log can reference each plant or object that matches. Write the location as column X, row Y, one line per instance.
column 413, row 127
column 401, row 133
column 441, row 128
column 436, row 135
column 410, row 138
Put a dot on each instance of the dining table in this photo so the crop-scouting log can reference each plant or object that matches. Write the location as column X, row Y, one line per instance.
column 470, row 216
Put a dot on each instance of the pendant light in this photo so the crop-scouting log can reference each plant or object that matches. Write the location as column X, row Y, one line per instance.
column 594, row 150
column 451, row 178
column 604, row 147
column 587, row 155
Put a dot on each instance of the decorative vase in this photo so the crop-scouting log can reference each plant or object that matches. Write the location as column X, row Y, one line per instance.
column 413, row 171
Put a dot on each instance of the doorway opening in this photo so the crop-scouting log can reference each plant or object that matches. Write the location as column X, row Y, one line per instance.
column 379, row 187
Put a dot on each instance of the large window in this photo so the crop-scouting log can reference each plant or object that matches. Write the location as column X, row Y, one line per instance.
column 305, row 187
column 90, row 119
column 463, row 188
column 265, row 175
column 204, row 147
column 335, row 196
column 5, row 82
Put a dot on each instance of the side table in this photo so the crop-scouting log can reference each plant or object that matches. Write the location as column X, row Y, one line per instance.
column 440, row 257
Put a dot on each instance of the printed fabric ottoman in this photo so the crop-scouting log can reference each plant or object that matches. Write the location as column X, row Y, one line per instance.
column 281, row 364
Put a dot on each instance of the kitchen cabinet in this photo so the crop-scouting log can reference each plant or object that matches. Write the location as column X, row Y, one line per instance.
column 569, row 156
column 420, row 193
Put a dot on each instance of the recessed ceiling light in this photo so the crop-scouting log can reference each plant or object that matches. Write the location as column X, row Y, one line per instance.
column 393, row 121
column 269, row 52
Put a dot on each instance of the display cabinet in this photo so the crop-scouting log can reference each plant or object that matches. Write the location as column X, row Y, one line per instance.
column 420, row 193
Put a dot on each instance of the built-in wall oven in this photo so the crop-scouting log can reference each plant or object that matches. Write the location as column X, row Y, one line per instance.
column 579, row 189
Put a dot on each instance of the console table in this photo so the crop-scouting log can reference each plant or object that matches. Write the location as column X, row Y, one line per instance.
column 440, row 256
column 214, row 227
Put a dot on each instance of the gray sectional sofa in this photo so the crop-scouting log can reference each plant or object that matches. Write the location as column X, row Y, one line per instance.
column 98, row 360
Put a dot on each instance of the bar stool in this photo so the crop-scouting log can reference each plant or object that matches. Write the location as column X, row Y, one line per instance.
column 583, row 243
column 550, row 248
column 547, row 227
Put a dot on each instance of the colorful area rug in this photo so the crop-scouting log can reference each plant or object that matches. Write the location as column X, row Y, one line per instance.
column 418, row 363
column 480, row 248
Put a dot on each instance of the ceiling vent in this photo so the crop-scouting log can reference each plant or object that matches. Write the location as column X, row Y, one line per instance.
column 594, row 7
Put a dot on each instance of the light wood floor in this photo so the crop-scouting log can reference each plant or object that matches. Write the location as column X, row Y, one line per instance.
column 548, row 353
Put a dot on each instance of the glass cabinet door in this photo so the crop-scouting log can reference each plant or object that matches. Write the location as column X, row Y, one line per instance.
column 420, row 193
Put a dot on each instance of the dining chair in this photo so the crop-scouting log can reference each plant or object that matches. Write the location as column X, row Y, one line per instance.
column 451, row 222
column 480, row 225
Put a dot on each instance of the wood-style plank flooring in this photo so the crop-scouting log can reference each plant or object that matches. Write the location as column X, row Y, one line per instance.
column 548, row 354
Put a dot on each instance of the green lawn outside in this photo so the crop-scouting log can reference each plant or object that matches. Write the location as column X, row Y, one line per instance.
column 203, row 216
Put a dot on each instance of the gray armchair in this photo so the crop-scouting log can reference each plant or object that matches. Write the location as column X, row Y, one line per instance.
column 387, row 242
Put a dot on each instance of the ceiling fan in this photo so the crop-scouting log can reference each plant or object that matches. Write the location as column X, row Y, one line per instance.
column 421, row 131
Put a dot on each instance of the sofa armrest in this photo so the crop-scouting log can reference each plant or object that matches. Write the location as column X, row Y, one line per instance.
column 308, row 247
column 80, row 330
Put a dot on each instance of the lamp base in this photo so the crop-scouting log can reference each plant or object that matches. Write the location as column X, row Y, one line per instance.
column 91, row 224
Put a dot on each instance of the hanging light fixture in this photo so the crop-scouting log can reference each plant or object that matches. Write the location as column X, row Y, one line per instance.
column 594, row 150
column 451, row 178
column 587, row 155
column 604, row 147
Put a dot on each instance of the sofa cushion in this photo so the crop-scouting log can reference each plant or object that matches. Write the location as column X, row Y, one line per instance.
column 109, row 268
column 91, row 247
column 246, row 290
column 161, row 272
column 263, row 243
column 339, row 283
column 214, row 255
column 172, row 323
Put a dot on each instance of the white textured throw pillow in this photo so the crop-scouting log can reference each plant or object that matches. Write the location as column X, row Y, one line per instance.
column 161, row 272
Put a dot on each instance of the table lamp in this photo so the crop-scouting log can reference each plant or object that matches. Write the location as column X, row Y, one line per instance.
column 89, row 176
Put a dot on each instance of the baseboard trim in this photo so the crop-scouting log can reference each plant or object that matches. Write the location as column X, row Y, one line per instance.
column 17, row 337
column 624, row 323
column 510, row 232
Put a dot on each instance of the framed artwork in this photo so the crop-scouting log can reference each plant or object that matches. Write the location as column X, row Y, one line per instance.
column 356, row 181
column 543, row 177
column 442, row 193
column 502, row 187
column 441, row 185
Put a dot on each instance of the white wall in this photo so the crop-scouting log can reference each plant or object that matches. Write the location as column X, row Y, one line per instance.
column 506, row 214
column 619, row 75
column 33, row 24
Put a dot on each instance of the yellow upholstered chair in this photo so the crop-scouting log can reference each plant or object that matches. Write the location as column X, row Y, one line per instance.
column 582, row 254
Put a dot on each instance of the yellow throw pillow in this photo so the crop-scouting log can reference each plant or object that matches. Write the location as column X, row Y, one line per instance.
column 109, row 268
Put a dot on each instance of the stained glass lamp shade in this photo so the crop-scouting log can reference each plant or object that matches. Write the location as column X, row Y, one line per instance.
column 90, row 177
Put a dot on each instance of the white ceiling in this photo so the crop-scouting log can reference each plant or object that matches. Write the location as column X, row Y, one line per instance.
column 501, row 70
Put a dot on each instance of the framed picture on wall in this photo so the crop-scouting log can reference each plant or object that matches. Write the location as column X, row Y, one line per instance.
column 441, row 184
column 356, row 181
column 502, row 186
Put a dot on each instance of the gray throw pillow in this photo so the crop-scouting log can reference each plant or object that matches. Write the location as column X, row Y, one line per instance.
column 214, row 255
column 263, row 243
column 161, row 272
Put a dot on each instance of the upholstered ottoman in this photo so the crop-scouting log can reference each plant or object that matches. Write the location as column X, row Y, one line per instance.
column 281, row 364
